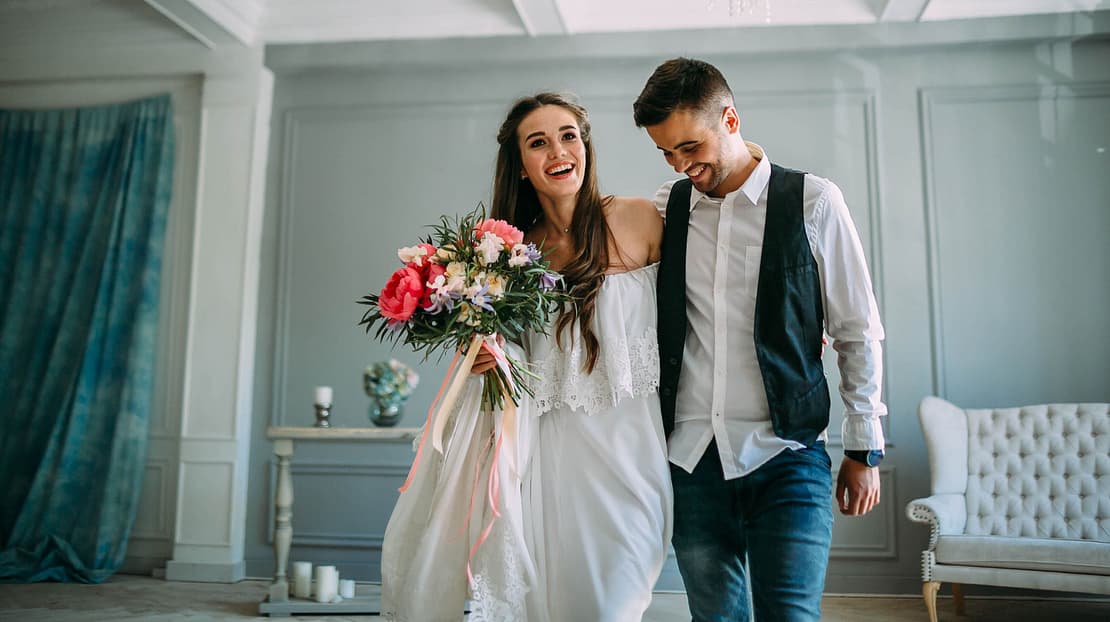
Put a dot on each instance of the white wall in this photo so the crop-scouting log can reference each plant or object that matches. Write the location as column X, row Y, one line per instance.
column 932, row 141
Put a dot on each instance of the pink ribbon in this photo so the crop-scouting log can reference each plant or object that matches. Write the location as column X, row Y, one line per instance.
column 428, row 426
column 435, row 423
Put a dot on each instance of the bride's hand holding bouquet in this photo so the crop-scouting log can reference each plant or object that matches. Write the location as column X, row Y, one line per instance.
column 470, row 284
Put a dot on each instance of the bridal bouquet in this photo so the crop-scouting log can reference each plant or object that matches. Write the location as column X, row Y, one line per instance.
column 467, row 286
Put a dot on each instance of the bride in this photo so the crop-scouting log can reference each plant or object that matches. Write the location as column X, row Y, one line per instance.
column 578, row 522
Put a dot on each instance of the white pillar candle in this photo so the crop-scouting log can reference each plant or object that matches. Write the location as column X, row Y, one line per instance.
column 347, row 588
column 327, row 584
column 302, row 579
column 323, row 395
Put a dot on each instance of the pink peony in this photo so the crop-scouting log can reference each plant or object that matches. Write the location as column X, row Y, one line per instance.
column 508, row 233
column 401, row 294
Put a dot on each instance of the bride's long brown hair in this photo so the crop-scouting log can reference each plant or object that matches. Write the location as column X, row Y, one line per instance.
column 515, row 200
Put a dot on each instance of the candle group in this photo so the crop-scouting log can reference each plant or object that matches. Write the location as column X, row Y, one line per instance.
column 328, row 585
column 323, row 395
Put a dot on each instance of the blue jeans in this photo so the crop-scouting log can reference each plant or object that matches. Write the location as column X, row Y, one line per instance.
column 778, row 519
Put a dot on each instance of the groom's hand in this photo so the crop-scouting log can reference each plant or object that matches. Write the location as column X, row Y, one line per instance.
column 857, row 488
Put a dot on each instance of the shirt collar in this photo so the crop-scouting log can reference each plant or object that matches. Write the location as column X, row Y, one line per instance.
column 752, row 188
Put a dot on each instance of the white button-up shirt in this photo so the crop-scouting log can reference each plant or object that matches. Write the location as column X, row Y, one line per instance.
column 720, row 388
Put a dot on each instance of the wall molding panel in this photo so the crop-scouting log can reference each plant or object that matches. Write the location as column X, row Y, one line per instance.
column 306, row 470
column 881, row 521
column 931, row 100
column 200, row 479
column 153, row 510
column 294, row 122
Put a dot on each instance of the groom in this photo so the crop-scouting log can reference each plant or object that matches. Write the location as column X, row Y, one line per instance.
column 759, row 262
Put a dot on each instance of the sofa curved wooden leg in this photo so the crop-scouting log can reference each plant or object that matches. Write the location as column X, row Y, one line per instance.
column 958, row 598
column 929, row 590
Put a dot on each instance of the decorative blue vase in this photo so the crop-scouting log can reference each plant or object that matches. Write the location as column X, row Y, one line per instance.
column 384, row 414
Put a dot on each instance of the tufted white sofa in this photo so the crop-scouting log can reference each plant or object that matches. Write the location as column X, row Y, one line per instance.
column 1020, row 498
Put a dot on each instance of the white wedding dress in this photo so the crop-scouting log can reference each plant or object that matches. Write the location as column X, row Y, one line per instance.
column 584, row 497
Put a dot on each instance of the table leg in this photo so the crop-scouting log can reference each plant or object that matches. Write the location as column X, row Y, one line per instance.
column 283, row 520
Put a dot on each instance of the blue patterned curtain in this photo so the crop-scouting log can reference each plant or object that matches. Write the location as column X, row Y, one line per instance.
column 83, row 201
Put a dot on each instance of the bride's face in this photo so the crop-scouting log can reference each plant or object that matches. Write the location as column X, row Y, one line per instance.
column 552, row 151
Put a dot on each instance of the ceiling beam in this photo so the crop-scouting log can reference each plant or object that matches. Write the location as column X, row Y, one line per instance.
column 541, row 17
column 212, row 22
column 903, row 10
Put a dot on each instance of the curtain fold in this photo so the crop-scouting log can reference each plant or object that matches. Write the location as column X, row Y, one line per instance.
column 84, row 195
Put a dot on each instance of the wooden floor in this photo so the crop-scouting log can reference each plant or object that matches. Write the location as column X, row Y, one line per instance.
column 131, row 598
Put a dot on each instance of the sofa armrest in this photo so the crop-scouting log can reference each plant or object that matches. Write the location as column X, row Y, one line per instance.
column 946, row 514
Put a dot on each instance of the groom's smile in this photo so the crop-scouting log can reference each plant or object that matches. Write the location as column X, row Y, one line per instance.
column 696, row 171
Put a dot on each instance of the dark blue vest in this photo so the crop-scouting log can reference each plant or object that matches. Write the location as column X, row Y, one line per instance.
column 789, row 318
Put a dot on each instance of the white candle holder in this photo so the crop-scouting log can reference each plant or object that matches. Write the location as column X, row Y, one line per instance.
column 322, row 398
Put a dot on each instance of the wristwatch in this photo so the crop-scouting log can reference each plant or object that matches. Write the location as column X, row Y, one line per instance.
column 871, row 458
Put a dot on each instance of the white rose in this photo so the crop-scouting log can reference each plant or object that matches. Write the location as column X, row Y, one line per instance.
column 489, row 249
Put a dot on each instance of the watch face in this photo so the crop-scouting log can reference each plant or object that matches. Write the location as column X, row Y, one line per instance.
column 874, row 457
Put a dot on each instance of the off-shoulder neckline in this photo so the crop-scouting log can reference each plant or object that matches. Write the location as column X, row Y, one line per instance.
column 634, row 270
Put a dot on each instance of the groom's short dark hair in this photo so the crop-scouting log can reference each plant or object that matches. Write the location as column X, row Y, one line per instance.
column 681, row 83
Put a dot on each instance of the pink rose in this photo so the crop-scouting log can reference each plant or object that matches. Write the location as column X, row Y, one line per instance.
column 508, row 233
column 401, row 294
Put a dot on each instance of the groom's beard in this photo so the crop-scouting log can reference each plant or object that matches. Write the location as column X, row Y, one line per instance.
column 712, row 181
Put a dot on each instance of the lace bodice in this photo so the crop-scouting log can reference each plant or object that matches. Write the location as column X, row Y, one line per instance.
column 628, row 363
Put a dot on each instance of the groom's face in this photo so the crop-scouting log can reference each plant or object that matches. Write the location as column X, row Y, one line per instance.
column 698, row 147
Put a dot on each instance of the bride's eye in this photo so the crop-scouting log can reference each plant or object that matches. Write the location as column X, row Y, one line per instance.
column 570, row 136
column 539, row 142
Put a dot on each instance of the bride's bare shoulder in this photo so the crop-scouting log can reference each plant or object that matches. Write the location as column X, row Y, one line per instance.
column 637, row 229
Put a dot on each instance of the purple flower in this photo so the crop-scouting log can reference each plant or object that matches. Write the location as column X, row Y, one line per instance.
column 533, row 253
column 548, row 280
column 437, row 303
column 481, row 299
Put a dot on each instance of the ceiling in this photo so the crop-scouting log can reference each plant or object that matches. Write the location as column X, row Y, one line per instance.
column 300, row 21
column 265, row 22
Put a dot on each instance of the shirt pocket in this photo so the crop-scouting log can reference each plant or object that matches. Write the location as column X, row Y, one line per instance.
column 752, row 257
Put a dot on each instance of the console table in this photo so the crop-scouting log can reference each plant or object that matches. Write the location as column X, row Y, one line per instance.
column 278, row 603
